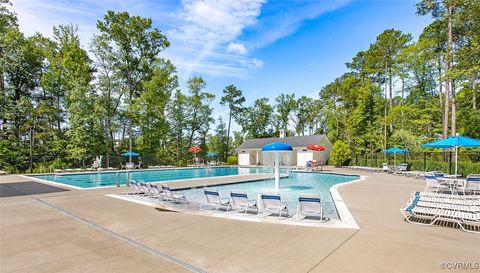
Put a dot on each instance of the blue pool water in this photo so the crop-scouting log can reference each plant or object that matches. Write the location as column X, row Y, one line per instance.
column 290, row 188
column 101, row 179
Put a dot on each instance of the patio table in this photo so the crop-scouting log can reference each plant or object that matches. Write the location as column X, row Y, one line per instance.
column 451, row 182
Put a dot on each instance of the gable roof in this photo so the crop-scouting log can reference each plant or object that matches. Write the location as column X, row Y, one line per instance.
column 295, row 141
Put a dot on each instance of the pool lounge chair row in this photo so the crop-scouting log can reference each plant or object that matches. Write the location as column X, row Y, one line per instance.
column 399, row 169
column 151, row 190
column 88, row 169
column 420, row 210
column 161, row 167
column 309, row 205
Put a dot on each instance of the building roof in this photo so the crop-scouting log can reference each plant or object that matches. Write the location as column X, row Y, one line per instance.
column 295, row 141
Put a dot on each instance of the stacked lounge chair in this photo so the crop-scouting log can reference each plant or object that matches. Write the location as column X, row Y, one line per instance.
column 434, row 208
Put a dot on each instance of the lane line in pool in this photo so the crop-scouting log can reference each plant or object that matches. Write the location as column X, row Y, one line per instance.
column 123, row 238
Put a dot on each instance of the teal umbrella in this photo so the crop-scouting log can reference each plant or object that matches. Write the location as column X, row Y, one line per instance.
column 394, row 151
column 212, row 154
column 454, row 142
column 130, row 154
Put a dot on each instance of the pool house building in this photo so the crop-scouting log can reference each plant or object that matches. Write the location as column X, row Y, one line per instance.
column 250, row 152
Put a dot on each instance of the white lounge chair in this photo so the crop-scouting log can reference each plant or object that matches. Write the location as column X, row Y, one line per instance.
column 272, row 204
column 475, row 198
column 309, row 205
column 144, row 188
column 418, row 211
column 472, row 185
column 213, row 199
column 241, row 202
column 386, row 168
column 433, row 184
column 135, row 187
column 168, row 195
column 155, row 191
column 401, row 168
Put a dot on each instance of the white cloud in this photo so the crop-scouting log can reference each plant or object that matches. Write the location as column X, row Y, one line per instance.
column 216, row 21
column 208, row 26
column 284, row 18
column 253, row 63
column 236, row 48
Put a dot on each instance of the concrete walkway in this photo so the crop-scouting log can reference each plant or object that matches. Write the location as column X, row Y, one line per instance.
column 86, row 231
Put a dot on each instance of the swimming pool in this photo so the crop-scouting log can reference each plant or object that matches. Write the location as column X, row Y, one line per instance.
column 290, row 188
column 102, row 179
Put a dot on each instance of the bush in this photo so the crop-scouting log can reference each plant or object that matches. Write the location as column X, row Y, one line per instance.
column 182, row 163
column 57, row 163
column 232, row 160
column 340, row 155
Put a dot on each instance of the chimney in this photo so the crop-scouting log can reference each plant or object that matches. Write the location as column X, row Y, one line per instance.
column 282, row 133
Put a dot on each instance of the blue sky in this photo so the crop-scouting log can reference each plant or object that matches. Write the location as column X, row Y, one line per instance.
column 263, row 47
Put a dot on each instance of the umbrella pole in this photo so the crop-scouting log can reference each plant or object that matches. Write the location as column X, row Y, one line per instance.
column 456, row 161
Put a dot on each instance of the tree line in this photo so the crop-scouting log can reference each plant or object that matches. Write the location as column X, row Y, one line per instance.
column 64, row 104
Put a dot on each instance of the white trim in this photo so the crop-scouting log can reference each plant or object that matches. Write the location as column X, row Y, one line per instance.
column 53, row 183
column 233, row 215
column 343, row 212
column 33, row 177
column 346, row 218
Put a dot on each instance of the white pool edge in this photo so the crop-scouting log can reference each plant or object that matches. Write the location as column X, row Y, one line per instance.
column 124, row 185
column 344, row 213
column 346, row 218
column 53, row 183
column 333, row 223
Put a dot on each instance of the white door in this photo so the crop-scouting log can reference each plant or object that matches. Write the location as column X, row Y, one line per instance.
column 303, row 157
column 244, row 159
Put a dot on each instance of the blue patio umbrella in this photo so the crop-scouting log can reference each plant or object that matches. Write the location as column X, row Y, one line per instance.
column 453, row 142
column 130, row 154
column 395, row 151
column 212, row 154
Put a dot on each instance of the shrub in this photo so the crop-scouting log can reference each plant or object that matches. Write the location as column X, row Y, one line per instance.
column 182, row 163
column 57, row 163
column 232, row 160
column 340, row 155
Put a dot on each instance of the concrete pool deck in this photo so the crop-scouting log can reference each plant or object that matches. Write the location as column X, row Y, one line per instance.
column 87, row 231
